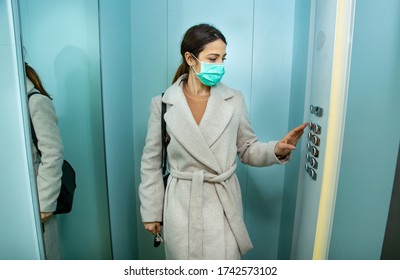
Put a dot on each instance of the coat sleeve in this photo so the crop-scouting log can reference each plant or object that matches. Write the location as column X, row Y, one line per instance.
column 250, row 150
column 151, row 188
column 45, row 124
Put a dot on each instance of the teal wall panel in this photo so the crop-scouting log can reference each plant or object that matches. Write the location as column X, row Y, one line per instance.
column 296, row 115
column 149, row 78
column 372, row 133
column 116, row 79
column 269, row 113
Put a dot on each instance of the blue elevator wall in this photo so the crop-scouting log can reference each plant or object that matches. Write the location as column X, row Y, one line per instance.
column 296, row 113
column 372, row 133
column 149, row 78
column 19, row 238
column 259, row 63
column 269, row 103
column 118, row 124
column 61, row 40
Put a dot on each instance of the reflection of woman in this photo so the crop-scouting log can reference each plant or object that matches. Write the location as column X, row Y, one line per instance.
column 208, row 125
column 48, row 158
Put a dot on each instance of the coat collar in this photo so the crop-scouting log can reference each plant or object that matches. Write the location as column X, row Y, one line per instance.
column 29, row 86
column 199, row 138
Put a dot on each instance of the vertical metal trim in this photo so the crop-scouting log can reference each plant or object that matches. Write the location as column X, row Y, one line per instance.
column 25, row 116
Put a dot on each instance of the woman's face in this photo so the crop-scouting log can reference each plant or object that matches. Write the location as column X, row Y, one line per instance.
column 214, row 52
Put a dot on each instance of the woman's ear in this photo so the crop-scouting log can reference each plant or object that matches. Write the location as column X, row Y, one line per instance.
column 189, row 59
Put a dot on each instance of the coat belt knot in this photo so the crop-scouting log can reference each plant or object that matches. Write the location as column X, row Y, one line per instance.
column 231, row 210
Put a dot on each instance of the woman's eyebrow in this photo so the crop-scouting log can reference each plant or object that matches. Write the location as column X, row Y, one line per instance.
column 217, row 54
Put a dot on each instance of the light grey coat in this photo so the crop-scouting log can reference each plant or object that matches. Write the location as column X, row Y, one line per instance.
column 201, row 208
column 49, row 165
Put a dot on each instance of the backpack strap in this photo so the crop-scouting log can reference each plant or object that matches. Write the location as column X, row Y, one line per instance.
column 164, row 137
column 34, row 138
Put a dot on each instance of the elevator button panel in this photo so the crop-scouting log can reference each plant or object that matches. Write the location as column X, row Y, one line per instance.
column 314, row 141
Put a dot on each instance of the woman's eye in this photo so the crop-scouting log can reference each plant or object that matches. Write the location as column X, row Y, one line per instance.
column 213, row 59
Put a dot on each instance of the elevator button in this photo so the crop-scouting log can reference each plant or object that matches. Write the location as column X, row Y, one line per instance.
column 314, row 163
column 316, row 128
column 309, row 146
column 312, row 173
column 315, row 140
column 314, row 151
column 318, row 111
column 310, row 125
column 309, row 135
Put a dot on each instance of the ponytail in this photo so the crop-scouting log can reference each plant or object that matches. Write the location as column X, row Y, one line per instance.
column 34, row 77
column 182, row 69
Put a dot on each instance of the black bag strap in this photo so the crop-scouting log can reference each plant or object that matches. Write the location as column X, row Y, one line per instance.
column 164, row 137
column 34, row 138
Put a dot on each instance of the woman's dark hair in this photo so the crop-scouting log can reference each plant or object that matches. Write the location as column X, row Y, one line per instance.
column 194, row 41
column 34, row 77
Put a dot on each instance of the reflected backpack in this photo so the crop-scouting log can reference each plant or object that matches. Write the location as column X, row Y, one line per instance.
column 68, row 179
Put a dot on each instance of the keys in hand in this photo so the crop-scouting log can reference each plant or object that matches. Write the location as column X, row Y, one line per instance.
column 158, row 239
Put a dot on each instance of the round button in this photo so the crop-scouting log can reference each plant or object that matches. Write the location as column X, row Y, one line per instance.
column 313, row 162
column 315, row 140
column 314, row 151
column 316, row 128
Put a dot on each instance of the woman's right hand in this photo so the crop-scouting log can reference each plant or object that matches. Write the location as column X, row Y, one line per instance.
column 153, row 227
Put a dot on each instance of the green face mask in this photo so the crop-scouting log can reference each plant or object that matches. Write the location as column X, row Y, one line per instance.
column 210, row 73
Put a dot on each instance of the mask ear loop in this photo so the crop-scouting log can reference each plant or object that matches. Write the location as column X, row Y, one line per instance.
column 191, row 66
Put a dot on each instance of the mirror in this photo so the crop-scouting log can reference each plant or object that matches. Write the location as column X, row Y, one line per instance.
column 61, row 42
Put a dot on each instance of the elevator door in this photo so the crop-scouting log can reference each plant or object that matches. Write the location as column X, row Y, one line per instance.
column 319, row 78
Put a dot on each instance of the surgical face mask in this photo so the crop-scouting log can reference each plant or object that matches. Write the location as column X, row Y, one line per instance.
column 210, row 73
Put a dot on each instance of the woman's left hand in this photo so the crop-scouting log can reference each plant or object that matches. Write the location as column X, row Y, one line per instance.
column 45, row 216
column 289, row 142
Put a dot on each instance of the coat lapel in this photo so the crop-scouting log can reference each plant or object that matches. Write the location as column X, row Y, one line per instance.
column 217, row 115
column 183, row 127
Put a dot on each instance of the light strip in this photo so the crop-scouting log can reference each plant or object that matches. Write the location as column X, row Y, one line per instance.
column 336, row 121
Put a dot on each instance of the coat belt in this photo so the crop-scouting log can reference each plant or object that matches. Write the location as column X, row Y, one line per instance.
column 231, row 210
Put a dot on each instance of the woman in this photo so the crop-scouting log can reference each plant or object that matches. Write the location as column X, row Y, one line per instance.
column 208, row 125
column 47, row 157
